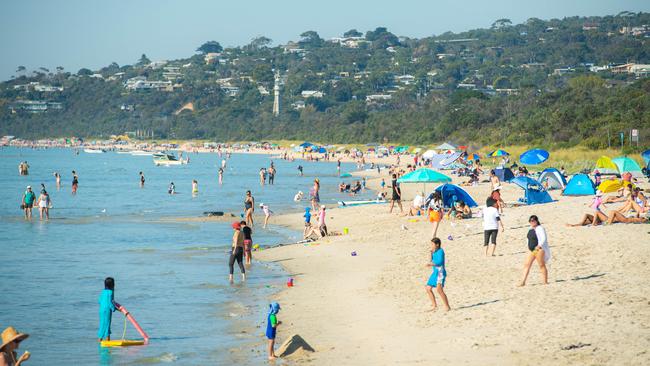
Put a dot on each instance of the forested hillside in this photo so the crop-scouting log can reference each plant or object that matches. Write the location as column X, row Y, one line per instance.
column 551, row 82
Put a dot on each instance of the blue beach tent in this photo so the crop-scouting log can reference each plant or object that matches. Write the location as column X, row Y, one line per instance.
column 451, row 193
column 534, row 157
column 579, row 185
column 504, row 174
column 535, row 192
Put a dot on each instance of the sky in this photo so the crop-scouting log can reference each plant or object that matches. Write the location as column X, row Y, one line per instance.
column 94, row 33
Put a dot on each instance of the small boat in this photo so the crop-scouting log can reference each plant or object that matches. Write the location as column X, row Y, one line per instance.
column 361, row 202
column 141, row 153
column 167, row 159
column 94, row 151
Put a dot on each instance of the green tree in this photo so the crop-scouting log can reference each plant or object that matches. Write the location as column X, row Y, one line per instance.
column 311, row 39
column 210, row 47
column 143, row 61
column 352, row 33
column 84, row 72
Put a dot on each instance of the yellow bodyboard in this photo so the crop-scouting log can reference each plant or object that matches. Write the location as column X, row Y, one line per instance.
column 122, row 343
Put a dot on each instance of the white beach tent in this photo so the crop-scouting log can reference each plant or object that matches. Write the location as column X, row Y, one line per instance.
column 429, row 154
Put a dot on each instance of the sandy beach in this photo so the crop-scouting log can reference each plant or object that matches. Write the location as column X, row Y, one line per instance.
column 372, row 308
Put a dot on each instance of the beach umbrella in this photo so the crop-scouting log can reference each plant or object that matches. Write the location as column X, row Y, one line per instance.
column 497, row 153
column 474, row 157
column 605, row 162
column 429, row 154
column 534, row 157
column 424, row 176
column 626, row 164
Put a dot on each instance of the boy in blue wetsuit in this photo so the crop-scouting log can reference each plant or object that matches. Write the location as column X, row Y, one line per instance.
column 307, row 217
column 272, row 323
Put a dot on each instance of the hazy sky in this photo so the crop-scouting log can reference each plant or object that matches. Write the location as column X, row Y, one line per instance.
column 94, row 33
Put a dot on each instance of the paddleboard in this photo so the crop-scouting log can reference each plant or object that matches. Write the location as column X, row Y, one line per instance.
column 122, row 343
column 359, row 203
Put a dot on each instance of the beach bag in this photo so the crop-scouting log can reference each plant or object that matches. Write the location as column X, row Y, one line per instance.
column 23, row 206
column 435, row 216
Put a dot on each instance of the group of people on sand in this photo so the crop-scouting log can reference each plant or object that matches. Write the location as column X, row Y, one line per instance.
column 634, row 201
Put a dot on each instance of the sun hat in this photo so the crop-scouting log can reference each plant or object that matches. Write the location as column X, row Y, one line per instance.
column 10, row 335
column 236, row 225
column 29, row 187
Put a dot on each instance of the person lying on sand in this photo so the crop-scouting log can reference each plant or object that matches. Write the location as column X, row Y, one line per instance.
column 591, row 219
column 615, row 216
column 636, row 202
column 621, row 195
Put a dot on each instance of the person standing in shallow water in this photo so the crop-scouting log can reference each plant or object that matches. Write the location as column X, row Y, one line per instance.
column 75, row 182
column 142, row 180
column 249, row 208
column 237, row 252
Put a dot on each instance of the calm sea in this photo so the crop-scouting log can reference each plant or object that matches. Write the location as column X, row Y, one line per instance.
column 172, row 276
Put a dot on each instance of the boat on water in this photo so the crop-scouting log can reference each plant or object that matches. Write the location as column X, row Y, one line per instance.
column 360, row 202
column 141, row 153
column 94, row 151
column 167, row 159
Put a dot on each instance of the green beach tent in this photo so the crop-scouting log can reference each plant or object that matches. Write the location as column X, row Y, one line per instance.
column 626, row 164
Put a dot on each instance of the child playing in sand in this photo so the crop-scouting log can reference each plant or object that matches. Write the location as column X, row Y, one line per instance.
column 272, row 323
column 267, row 214
column 107, row 306
column 307, row 217
column 437, row 278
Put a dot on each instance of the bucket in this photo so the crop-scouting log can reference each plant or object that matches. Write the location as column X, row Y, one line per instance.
column 346, row 230
column 290, row 282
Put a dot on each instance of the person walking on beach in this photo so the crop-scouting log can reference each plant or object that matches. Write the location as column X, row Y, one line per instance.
column 397, row 195
column 436, row 211
column 75, row 182
column 249, row 208
column 141, row 180
column 438, row 276
column 494, row 180
column 539, row 250
column 248, row 241
column 237, row 252
column 307, row 217
column 28, row 202
column 491, row 223
column 272, row 323
column 314, row 195
column 43, row 204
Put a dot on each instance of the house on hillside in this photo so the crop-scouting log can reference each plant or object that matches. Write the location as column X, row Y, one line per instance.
column 211, row 57
column 298, row 105
column 141, row 83
column 172, row 73
column 378, row 98
column 35, row 106
column 262, row 90
column 312, row 94
column 590, row 26
column 230, row 91
column 640, row 70
column 643, row 30
column 157, row 64
column 405, row 79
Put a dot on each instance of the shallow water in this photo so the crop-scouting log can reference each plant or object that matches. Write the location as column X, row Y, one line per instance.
column 172, row 276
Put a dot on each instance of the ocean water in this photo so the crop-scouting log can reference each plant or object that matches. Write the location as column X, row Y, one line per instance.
column 171, row 275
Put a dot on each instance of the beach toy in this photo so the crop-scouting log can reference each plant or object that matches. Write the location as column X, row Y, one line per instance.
column 413, row 220
column 354, row 254
column 418, row 213
column 290, row 282
column 450, row 237
column 256, row 246
column 128, row 342
column 346, row 230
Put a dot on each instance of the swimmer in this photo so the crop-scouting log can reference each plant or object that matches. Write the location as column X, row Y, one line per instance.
column 172, row 188
column 195, row 187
